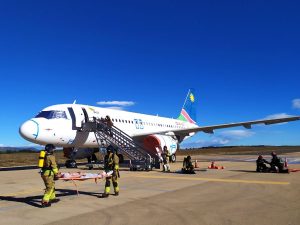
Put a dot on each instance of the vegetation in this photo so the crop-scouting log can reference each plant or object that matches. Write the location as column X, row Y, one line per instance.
column 17, row 151
column 22, row 158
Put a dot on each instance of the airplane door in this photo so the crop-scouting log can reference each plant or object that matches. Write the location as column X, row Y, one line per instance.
column 136, row 122
column 77, row 115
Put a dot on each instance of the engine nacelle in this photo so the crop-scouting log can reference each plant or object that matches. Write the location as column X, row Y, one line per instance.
column 154, row 144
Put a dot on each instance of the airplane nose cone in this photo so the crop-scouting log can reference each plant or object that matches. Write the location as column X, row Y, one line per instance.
column 29, row 130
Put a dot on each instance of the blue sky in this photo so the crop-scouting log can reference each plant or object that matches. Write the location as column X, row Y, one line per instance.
column 242, row 57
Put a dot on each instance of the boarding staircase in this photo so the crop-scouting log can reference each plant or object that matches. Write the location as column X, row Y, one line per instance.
column 111, row 135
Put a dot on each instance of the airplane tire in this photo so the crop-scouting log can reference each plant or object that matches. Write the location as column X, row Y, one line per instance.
column 148, row 169
column 173, row 158
column 71, row 164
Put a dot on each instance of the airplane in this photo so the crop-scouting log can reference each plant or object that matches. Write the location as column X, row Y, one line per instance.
column 58, row 125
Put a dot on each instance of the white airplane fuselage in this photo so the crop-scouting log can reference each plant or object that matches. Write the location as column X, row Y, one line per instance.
column 56, row 125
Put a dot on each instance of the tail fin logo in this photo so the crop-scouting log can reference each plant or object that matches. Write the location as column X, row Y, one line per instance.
column 192, row 98
column 188, row 111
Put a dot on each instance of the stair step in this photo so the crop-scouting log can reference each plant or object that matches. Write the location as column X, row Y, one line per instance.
column 115, row 136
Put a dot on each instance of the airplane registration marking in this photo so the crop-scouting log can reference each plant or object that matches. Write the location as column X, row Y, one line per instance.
column 216, row 180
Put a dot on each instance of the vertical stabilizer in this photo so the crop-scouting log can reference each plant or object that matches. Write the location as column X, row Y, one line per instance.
column 188, row 111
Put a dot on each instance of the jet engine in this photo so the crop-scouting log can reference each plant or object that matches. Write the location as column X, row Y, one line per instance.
column 154, row 145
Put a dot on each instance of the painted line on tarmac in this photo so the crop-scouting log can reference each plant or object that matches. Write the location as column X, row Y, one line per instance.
column 215, row 180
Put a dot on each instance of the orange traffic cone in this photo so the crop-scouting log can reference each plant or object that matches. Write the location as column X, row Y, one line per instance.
column 212, row 166
column 196, row 164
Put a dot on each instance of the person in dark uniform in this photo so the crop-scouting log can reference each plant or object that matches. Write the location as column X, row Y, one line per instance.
column 188, row 166
column 111, row 163
column 109, row 124
column 261, row 164
column 49, row 173
column 277, row 165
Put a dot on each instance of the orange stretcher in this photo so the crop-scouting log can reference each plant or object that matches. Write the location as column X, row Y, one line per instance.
column 79, row 176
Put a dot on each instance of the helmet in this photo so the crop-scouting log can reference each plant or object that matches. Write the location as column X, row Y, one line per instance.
column 49, row 148
column 273, row 154
column 260, row 156
column 110, row 148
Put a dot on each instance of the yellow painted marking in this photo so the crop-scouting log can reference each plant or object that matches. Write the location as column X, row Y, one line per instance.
column 215, row 180
column 30, row 191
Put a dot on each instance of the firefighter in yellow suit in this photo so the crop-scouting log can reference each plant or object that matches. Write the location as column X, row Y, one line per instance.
column 111, row 163
column 165, row 159
column 49, row 173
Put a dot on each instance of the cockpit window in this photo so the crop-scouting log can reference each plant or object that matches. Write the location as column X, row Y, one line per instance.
column 53, row 114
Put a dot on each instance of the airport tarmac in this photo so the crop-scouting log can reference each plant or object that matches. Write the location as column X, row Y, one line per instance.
column 235, row 195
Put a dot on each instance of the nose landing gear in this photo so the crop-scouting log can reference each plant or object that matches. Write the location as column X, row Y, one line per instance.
column 70, row 163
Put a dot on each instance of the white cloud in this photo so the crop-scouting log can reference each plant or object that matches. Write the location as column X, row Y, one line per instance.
column 2, row 145
column 277, row 116
column 236, row 134
column 204, row 143
column 296, row 103
column 117, row 103
column 115, row 108
column 220, row 139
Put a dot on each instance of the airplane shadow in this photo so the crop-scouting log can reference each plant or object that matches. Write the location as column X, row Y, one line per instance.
column 35, row 201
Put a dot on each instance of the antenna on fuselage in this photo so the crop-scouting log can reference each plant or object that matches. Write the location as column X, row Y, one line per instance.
column 74, row 102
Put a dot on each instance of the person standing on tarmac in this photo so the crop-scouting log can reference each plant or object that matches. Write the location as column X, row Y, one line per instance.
column 111, row 163
column 165, row 159
column 49, row 173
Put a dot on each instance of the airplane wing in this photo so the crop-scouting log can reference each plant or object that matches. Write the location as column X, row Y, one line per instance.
column 210, row 129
